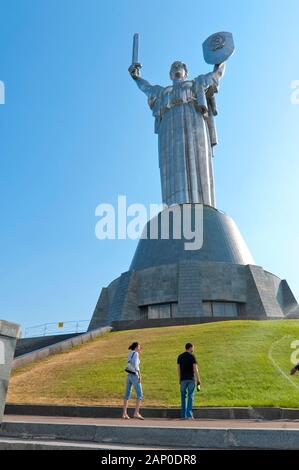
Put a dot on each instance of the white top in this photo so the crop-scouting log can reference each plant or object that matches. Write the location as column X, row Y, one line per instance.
column 133, row 357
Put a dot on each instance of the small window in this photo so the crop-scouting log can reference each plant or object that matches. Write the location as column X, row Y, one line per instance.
column 174, row 309
column 230, row 309
column 207, row 308
column 156, row 311
column 143, row 312
column 220, row 309
column 159, row 311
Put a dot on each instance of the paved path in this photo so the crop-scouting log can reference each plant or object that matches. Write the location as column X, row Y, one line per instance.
column 175, row 423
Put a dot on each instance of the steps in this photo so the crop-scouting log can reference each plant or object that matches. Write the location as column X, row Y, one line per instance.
column 160, row 434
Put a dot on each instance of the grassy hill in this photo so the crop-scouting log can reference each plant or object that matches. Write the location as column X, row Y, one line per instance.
column 242, row 363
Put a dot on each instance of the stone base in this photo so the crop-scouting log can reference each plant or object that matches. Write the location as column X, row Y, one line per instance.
column 9, row 332
column 170, row 285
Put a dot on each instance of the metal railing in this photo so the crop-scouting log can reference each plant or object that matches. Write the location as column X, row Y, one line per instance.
column 58, row 328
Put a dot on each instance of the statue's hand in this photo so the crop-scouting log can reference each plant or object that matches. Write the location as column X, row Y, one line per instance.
column 220, row 69
column 134, row 71
column 204, row 112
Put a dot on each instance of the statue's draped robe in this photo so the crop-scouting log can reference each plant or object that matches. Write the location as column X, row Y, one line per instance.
column 184, row 125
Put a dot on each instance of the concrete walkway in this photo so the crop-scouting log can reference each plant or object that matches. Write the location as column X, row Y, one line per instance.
column 174, row 423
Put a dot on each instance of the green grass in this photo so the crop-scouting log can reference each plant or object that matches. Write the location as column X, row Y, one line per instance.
column 233, row 359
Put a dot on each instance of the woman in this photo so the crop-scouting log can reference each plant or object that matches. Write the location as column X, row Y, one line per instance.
column 133, row 379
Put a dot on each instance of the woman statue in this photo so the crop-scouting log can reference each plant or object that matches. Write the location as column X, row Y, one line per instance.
column 184, row 113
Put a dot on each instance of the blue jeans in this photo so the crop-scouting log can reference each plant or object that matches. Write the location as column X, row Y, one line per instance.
column 187, row 387
column 133, row 380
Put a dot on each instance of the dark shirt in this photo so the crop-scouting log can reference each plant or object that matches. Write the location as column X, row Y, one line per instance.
column 186, row 361
column 297, row 366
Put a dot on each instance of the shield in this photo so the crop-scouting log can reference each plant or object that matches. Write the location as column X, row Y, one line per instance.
column 218, row 48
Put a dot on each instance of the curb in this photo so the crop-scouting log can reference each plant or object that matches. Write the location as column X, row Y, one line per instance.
column 256, row 413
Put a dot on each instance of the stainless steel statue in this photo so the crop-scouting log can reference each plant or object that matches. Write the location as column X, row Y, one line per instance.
column 184, row 121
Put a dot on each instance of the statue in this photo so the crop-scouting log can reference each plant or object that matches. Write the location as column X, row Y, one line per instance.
column 184, row 121
column 191, row 264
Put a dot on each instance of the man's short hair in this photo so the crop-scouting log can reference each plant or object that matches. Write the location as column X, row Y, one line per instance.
column 188, row 346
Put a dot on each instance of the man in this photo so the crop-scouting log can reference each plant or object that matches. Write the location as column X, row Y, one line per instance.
column 295, row 369
column 188, row 377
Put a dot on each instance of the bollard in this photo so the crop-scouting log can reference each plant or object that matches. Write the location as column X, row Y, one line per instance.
column 9, row 333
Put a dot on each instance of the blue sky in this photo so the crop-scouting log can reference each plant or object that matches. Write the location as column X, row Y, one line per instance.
column 76, row 132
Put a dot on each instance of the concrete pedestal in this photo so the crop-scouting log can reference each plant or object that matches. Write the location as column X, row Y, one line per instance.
column 9, row 332
column 167, row 284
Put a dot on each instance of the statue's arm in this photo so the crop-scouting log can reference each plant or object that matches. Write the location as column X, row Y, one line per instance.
column 219, row 70
column 206, row 86
column 211, row 80
column 142, row 84
column 153, row 92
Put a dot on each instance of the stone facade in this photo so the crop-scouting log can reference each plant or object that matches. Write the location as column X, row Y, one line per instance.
column 190, row 284
column 196, row 284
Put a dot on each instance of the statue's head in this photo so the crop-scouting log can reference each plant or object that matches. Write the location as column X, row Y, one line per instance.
column 178, row 71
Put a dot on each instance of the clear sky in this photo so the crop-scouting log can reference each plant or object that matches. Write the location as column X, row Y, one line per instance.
column 76, row 132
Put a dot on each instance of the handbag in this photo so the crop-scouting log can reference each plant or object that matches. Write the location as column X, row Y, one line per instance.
column 130, row 369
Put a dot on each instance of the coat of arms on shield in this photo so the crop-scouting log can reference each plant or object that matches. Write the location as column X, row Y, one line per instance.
column 218, row 48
